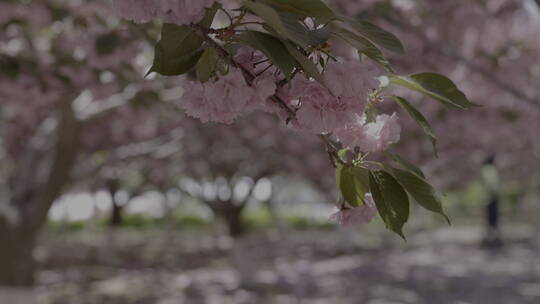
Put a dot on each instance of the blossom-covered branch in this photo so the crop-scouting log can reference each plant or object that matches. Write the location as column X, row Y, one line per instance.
column 281, row 57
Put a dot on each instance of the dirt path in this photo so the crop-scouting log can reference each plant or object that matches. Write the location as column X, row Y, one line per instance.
column 447, row 266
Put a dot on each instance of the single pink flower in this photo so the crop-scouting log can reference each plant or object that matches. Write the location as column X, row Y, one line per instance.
column 382, row 133
column 226, row 98
column 359, row 215
column 222, row 100
column 375, row 136
column 352, row 134
column 344, row 95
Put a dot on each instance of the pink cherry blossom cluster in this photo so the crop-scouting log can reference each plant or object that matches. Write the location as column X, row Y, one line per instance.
column 344, row 92
column 226, row 98
column 371, row 137
column 336, row 105
column 333, row 105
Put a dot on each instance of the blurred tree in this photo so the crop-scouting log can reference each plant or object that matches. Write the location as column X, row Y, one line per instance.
column 491, row 49
column 72, row 103
column 62, row 66
column 226, row 168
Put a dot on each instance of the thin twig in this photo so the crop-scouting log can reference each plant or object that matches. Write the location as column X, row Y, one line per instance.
column 264, row 70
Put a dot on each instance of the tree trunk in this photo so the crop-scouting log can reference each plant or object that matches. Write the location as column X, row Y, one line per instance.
column 169, row 230
column 17, row 241
column 233, row 217
column 169, row 224
column 107, row 252
column 277, row 222
column 244, row 261
column 16, row 257
column 241, row 254
column 117, row 215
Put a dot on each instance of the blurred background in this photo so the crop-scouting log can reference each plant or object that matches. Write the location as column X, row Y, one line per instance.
column 110, row 194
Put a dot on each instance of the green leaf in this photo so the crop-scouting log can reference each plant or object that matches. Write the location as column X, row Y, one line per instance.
column 346, row 185
column 405, row 164
column 284, row 24
column 375, row 34
column 391, row 200
column 420, row 119
column 364, row 46
column 436, row 86
column 420, row 190
column 322, row 62
column 361, row 179
column 305, row 8
column 353, row 183
column 288, row 25
column 343, row 153
column 296, row 31
column 320, row 35
column 177, row 52
column 207, row 65
column 272, row 47
column 307, row 65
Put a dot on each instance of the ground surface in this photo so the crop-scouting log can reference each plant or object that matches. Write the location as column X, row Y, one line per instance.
column 445, row 266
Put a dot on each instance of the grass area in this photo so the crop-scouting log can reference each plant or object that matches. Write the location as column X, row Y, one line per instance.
column 464, row 207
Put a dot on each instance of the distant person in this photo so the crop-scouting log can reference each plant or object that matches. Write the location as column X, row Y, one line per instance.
column 490, row 177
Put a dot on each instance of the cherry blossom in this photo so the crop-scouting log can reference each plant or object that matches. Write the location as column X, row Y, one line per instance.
column 375, row 136
column 359, row 215
column 381, row 133
column 325, row 108
column 353, row 133
column 226, row 98
column 351, row 81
